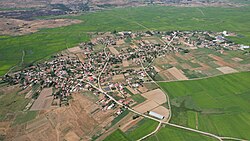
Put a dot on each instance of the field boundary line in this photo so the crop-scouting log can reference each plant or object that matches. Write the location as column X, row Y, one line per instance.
column 165, row 81
column 201, row 11
column 150, row 134
column 131, row 21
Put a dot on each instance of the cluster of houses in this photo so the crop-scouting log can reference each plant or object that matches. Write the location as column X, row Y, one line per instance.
column 124, row 71
column 205, row 39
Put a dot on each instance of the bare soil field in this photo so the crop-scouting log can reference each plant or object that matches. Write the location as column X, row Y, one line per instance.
column 177, row 74
column 156, row 95
column 113, row 50
column 237, row 59
column 120, row 42
column 154, row 99
column 22, row 3
column 227, row 70
column 125, row 63
column 162, row 111
column 186, row 66
column 21, row 27
column 147, row 105
column 167, row 75
column 118, row 78
column 143, row 89
column 75, row 50
column 71, row 136
column 133, row 46
column 43, row 101
column 220, row 61
column 196, row 64
column 157, row 69
column 66, row 123
column 81, row 57
column 153, row 40
column 4, row 126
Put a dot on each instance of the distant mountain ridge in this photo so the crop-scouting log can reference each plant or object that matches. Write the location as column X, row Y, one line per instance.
column 100, row 3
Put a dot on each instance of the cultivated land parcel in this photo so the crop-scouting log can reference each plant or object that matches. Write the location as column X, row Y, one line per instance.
column 221, row 104
column 218, row 105
column 48, row 41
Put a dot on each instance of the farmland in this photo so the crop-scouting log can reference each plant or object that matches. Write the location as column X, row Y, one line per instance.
column 143, row 128
column 201, row 62
column 221, row 104
column 139, row 130
column 117, row 135
column 217, row 105
column 174, row 134
column 11, row 103
column 42, row 44
column 25, row 117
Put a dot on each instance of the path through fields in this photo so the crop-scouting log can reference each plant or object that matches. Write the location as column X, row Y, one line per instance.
column 201, row 11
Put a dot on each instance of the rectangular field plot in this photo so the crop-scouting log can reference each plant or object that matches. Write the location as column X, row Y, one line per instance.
column 222, row 103
column 176, row 134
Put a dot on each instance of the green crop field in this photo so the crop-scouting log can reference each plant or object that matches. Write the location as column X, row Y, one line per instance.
column 11, row 103
column 118, row 135
column 25, row 117
column 176, row 134
column 144, row 127
column 48, row 41
column 221, row 103
column 138, row 98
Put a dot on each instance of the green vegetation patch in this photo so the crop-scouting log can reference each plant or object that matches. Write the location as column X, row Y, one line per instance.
column 144, row 127
column 48, row 41
column 176, row 134
column 25, row 117
column 222, row 102
column 2, row 137
column 11, row 103
column 118, row 135
column 141, row 129
column 138, row 98
column 118, row 118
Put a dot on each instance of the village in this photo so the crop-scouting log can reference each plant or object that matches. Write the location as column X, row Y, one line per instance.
column 120, row 64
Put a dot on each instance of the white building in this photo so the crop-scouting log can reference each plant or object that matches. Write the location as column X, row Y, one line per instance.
column 242, row 47
column 156, row 115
